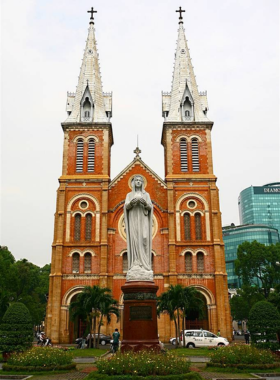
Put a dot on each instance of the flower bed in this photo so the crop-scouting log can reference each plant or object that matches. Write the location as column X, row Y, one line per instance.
column 240, row 355
column 40, row 358
column 143, row 364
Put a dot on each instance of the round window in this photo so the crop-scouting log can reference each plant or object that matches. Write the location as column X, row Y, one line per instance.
column 83, row 204
column 191, row 204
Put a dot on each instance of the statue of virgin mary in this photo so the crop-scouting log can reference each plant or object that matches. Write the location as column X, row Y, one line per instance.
column 138, row 214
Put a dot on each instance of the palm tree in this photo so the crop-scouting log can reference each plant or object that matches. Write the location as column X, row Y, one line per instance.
column 178, row 301
column 108, row 307
column 90, row 305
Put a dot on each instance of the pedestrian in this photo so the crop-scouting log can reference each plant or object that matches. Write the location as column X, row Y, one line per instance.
column 116, row 337
column 247, row 336
column 219, row 333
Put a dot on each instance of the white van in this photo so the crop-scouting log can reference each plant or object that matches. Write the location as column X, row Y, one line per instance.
column 202, row 338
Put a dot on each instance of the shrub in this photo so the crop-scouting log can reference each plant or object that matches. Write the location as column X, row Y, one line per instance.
column 41, row 357
column 273, row 346
column 16, row 332
column 143, row 364
column 241, row 355
column 186, row 376
column 263, row 322
column 16, row 368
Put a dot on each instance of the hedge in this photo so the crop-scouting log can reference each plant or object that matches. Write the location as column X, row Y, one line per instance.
column 244, row 366
column 10, row 367
column 187, row 376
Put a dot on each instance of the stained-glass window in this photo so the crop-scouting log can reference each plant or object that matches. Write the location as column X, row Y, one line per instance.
column 198, row 232
column 75, row 263
column 77, row 227
column 125, row 262
column 200, row 262
column 80, row 156
column 195, row 155
column 188, row 262
column 184, row 155
column 187, row 226
column 87, row 262
column 91, row 155
column 88, row 227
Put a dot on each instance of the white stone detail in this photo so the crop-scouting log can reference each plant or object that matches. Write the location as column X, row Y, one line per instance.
column 138, row 273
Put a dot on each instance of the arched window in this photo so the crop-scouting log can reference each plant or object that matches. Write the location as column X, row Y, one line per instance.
column 124, row 262
column 152, row 261
column 188, row 262
column 195, row 155
column 91, row 155
column 80, row 156
column 200, row 262
column 87, row 113
column 198, row 232
column 88, row 227
column 184, row 155
column 87, row 262
column 76, row 263
column 187, row 226
column 187, row 113
column 77, row 227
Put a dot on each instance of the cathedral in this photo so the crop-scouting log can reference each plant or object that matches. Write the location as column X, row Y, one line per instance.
column 89, row 246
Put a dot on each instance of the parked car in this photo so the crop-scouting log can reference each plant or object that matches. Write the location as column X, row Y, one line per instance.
column 173, row 341
column 103, row 339
column 202, row 338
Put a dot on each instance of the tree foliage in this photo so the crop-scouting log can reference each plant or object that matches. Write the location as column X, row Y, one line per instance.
column 23, row 281
column 243, row 301
column 257, row 265
column 16, row 329
column 263, row 322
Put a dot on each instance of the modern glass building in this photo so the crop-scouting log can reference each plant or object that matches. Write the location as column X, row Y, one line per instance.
column 260, row 205
column 233, row 236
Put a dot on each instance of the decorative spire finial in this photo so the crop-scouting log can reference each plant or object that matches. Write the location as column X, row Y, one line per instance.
column 91, row 16
column 180, row 17
column 137, row 151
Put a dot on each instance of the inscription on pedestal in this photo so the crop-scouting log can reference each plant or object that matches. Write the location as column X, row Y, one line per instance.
column 140, row 313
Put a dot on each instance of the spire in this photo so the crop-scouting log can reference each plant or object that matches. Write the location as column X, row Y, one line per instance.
column 184, row 103
column 89, row 104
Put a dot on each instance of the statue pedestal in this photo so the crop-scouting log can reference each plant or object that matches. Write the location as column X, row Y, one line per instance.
column 140, row 316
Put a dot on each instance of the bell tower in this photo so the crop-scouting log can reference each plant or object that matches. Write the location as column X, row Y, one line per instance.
column 196, row 248
column 80, row 245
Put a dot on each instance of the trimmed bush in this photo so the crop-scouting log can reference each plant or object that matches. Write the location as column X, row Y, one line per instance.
column 143, row 364
column 263, row 322
column 187, row 376
column 273, row 346
column 241, row 355
column 66, row 367
column 244, row 366
column 16, row 333
column 41, row 357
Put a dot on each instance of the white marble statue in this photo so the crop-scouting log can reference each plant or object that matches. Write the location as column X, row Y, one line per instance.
column 138, row 215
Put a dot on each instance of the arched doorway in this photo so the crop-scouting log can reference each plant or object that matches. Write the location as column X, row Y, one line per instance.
column 78, row 327
column 194, row 321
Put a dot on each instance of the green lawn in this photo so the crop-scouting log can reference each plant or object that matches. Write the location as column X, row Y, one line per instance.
column 94, row 352
column 191, row 351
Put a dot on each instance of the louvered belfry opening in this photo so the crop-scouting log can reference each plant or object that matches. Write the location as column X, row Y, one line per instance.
column 184, row 155
column 80, row 156
column 75, row 263
column 198, row 232
column 200, row 262
column 188, row 262
column 124, row 262
column 195, row 155
column 91, row 155
column 77, row 227
column 87, row 262
column 88, row 227
column 187, row 226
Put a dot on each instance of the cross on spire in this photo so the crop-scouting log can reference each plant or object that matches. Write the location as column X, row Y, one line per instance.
column 180, row 10
column 137, row 151
column 91, row 16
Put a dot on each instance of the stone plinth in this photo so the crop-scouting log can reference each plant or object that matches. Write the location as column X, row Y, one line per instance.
column 140, row 316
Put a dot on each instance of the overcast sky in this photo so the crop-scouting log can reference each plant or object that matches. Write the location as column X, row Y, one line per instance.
column 234, row 45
